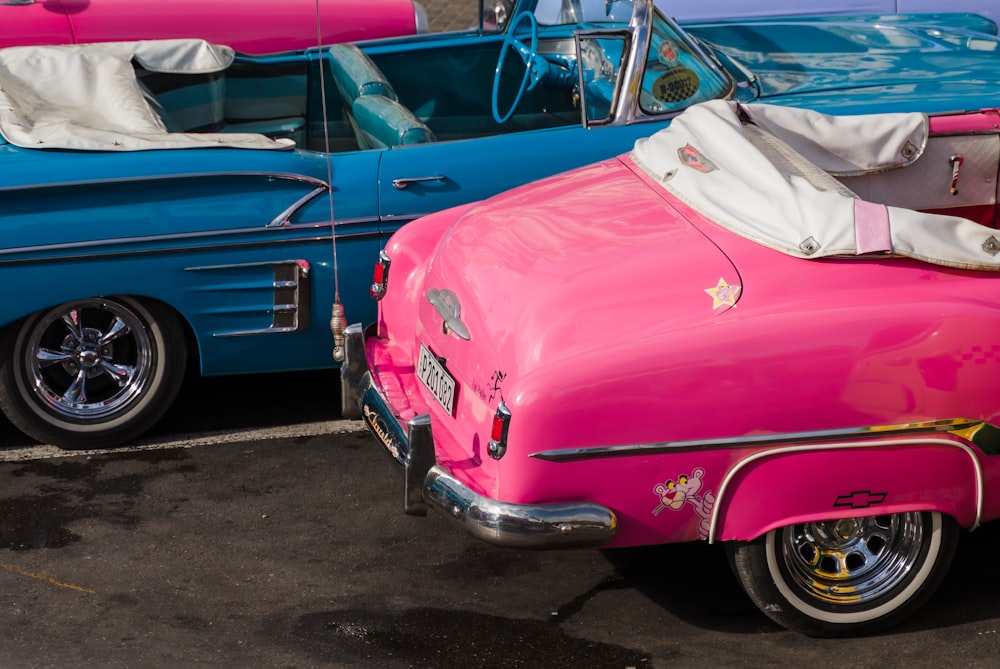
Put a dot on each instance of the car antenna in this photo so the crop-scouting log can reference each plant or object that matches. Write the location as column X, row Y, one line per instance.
column 338, row 322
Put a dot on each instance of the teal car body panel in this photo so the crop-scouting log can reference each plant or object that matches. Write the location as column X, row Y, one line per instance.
column 937, row 62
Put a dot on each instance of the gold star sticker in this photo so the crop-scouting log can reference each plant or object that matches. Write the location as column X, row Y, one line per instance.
column 723, row 294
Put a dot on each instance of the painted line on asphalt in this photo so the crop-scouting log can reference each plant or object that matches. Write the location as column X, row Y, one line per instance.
column 45, row 451
column 42, row 576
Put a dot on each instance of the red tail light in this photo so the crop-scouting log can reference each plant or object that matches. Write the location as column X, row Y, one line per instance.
column 498, row 433
column 380, row 279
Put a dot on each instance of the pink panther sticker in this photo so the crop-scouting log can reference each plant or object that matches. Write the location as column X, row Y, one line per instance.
column 687, row 490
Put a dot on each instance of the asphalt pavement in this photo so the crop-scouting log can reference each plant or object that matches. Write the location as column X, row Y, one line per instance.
column 233, row 551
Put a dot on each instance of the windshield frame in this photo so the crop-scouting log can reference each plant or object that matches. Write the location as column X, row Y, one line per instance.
column 625, row 107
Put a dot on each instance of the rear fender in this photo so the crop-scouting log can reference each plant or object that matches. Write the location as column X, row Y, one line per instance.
column 790, row 484
column 409, row 249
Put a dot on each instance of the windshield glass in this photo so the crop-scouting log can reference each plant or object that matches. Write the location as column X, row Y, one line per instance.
column 673, row 73
column 677, row 74
column 567, row 12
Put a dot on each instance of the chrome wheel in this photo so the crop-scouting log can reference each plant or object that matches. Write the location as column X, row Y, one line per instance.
column 96, row 371
column 846, row 576
column 88, row 359
column 850, row 561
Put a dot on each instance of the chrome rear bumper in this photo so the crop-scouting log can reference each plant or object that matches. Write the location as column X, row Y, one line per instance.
column 429, row 485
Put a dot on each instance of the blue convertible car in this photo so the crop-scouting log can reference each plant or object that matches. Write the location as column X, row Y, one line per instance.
column 174, row 202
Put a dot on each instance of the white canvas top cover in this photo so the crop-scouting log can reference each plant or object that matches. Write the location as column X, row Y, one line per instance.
column 87, row 96
column 753, row 170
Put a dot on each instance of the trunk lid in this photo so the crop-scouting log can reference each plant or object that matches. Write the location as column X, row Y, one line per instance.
column 552, row 270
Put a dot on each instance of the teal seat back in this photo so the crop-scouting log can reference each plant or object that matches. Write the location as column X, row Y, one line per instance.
column 385, row 123
column 356, row 75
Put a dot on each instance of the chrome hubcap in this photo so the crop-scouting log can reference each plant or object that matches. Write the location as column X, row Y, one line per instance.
column 852, row 561
column 90, row 359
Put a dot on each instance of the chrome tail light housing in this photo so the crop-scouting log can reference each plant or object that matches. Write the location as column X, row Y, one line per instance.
column 380, row 278
column 498, row 433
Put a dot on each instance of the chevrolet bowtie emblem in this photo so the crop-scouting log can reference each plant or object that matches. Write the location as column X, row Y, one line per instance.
column 861, row 499
column 445, row 302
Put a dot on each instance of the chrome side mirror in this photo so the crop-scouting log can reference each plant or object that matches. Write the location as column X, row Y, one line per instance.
column 495, row 14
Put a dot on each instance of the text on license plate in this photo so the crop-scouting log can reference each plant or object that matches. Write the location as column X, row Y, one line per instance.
column 437, row 379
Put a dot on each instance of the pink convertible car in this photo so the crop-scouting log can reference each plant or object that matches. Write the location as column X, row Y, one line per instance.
column 250, row 26
column 763, row 326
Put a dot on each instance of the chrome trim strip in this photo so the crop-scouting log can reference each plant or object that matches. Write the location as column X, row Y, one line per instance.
column 158, row 251
column 166, row 177
column 980, row 433
column 145, row 239
column 405, row 218
column 236, row 265
column 281, row 220
column 959, row 133
column 260, row 331
column 733, row 471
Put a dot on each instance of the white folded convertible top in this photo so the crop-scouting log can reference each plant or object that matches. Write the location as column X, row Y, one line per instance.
column 764, row 172
column 87, row 96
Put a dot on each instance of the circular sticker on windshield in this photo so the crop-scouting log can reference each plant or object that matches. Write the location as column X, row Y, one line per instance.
column 676, row 85
column 666, row 53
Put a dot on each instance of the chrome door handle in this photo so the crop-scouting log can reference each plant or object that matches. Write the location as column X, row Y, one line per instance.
column 402, row 183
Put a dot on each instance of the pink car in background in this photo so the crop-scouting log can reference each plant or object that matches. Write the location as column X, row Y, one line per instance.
column 250, row 26
column 764, row 326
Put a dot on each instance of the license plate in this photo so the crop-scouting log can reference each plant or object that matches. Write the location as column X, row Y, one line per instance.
column 436, row 379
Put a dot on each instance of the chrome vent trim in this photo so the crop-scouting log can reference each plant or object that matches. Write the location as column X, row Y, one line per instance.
column 291, row 287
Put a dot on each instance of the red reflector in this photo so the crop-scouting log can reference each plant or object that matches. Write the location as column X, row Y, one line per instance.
column 498, row 432
column 379, row 273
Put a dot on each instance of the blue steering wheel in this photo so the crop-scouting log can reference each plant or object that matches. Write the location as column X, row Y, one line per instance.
column 535, row 68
